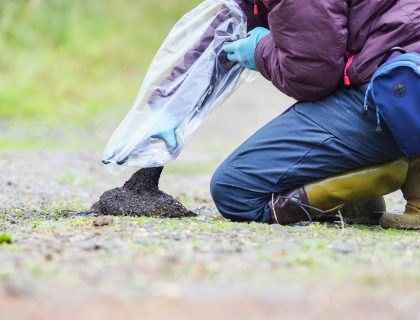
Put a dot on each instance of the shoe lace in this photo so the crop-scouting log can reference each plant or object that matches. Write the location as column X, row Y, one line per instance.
column 303, row 206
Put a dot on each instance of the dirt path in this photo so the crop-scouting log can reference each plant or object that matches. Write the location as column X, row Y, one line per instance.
column 61, row 266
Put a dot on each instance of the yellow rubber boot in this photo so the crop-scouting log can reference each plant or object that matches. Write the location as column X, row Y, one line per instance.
column 357, row 193
column 357, row 185
column 411, row 192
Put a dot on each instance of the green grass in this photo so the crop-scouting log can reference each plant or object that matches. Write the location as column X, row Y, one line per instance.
column 312, row 250
column 144, row 251
column 5, row 238
column 68, row 61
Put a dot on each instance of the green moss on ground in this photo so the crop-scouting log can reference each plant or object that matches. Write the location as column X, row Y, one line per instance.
column 5, row 238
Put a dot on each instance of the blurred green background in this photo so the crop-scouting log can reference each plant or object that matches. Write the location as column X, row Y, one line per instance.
column 71, row 61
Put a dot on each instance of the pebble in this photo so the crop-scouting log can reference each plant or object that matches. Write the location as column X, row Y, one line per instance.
column 103, row 221
column 90, row 245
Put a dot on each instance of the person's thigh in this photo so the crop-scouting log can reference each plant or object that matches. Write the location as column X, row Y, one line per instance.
column 288, row 152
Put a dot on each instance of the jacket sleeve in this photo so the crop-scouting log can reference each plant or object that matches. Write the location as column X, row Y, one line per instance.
column 254, row 20
column 171, row 84
column 304, row 54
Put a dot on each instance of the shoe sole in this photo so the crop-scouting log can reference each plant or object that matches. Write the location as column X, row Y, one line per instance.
column 400, row 221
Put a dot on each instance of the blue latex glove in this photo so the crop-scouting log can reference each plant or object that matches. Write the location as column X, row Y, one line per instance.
column 242, row 51
column 169, row 137
column 165, row 130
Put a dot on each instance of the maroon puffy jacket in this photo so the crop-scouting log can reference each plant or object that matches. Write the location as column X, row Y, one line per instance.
column 314, row 46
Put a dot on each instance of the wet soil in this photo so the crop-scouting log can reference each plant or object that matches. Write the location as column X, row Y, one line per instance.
column 140, row 196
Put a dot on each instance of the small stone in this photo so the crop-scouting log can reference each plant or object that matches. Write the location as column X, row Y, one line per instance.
column 90, row 245
column 49, row 257
column 103, row 221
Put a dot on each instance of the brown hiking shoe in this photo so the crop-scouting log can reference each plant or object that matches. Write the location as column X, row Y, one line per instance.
column 293, row 207
column 410, row 219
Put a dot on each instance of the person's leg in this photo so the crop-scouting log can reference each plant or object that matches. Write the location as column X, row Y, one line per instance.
column 292, row 150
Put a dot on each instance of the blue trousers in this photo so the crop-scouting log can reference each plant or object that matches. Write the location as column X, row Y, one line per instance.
column 311, row 140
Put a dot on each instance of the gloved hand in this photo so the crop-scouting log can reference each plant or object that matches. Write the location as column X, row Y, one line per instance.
column 165, row 130
column 242, row 51
column 168, row 137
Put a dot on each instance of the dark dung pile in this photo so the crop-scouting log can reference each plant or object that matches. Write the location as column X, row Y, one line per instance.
column 140, row 196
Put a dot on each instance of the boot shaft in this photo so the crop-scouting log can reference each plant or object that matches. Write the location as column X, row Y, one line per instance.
column 411, row 187
column 357, row 185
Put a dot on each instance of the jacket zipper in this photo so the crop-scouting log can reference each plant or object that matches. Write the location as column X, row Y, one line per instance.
column 256, row 11
column 349, row 56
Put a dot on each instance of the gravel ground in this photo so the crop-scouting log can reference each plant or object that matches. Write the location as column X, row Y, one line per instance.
column 64, row 266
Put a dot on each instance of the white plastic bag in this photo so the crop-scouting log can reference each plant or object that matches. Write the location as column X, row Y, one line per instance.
column 189, row 76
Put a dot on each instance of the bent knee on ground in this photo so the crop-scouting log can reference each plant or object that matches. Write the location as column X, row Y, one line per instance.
column 234, row 199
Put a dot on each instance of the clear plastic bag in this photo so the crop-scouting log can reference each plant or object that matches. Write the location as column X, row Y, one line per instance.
column 189, row 76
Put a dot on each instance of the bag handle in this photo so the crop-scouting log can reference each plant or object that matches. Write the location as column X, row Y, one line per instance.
column 389, row 53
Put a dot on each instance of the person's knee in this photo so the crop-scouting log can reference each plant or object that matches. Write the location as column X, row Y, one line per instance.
column 218, row 191
column 233, row 200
